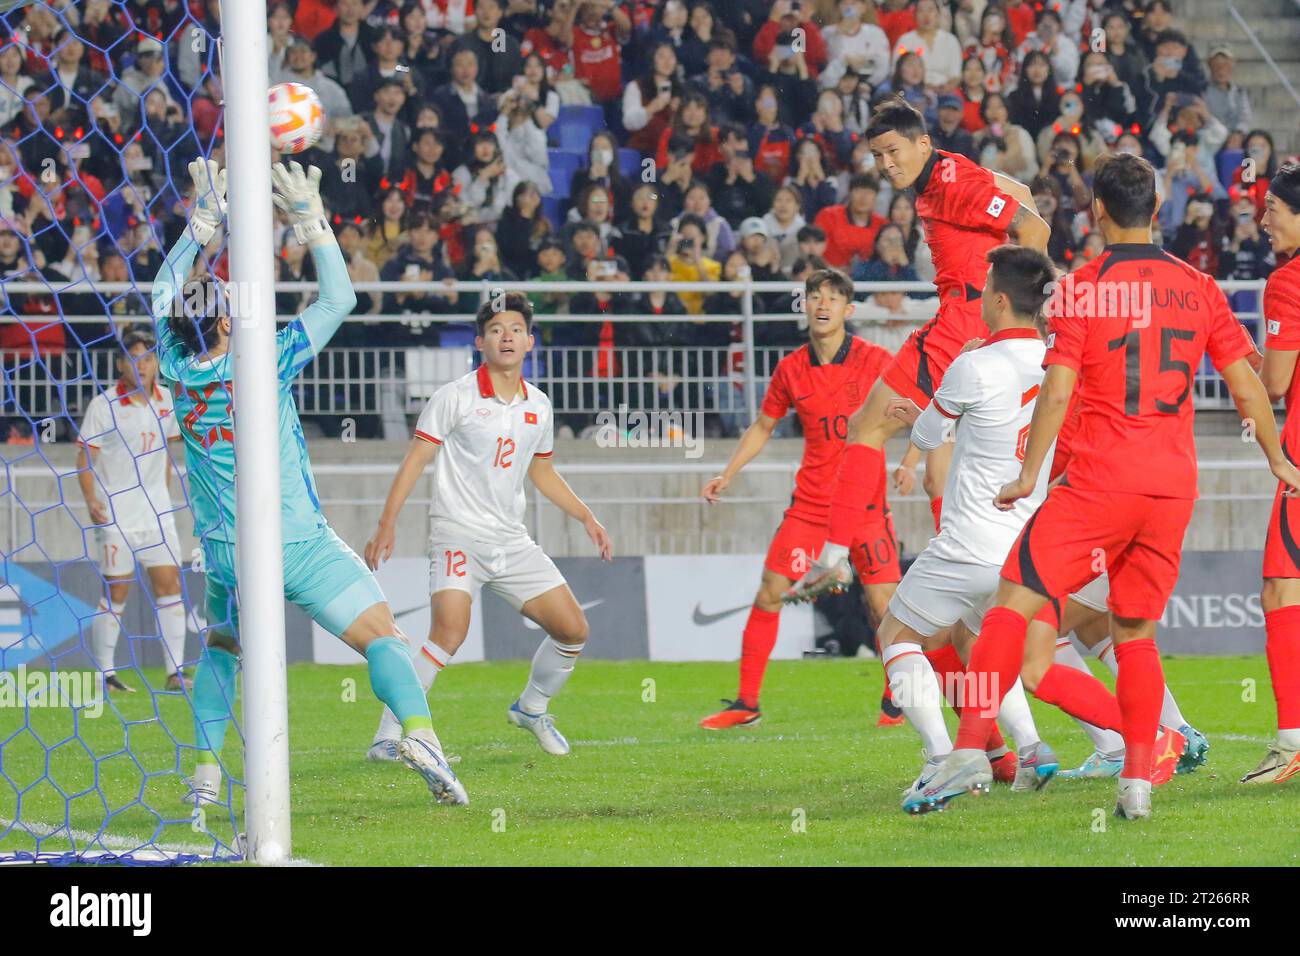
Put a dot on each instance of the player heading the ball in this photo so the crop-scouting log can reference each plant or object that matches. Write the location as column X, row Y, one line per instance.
column 322, row 575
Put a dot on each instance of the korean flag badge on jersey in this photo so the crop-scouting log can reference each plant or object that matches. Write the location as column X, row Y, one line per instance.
column 1274, row 327
column 996, row 205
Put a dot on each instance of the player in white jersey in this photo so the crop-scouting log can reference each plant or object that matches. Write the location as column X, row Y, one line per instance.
column 123, row 454
column 988, row 396
column 484, row 434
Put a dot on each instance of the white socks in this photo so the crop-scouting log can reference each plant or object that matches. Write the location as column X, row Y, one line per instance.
column 832, row 554
column 171, row 620
column 104, row 632
column 429, row 660
column 1017, row 720
column 552, row 665
column 916, row 691
column 1106, row 742
column 1170, row 715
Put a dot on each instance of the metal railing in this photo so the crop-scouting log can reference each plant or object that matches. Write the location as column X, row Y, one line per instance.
column 393, row 382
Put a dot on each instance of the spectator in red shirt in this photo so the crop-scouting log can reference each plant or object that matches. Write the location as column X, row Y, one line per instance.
column 896, row 18
column 692, row 122
column 786, row 17
column 851, row 227
column 596, row 40
column 1021, row 17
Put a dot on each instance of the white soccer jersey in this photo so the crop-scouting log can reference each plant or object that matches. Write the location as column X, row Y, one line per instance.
column 989, row 393
column 485, row 448
column 130, row 435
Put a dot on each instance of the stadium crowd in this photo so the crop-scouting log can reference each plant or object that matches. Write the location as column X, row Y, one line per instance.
column 600, row 140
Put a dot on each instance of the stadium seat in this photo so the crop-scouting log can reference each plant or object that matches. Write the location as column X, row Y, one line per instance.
column 1229, row 161
column 553, row 209
column 563, row 164
column 575, row 126
column 629, row 163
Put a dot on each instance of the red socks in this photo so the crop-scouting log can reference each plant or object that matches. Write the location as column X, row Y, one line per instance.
column 861, row 478
column 1283, row 648
column 756, row 647
column 947, row 666
column 995, row 665
column 1140, row 687
column 1080, row 695
column 936, row 509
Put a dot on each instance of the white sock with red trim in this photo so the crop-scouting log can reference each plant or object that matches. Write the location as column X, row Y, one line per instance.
column 171, row 620
column 429, row 661
column 104, row 632
column 916, row 691
column 1106, row 742
column 552, row 665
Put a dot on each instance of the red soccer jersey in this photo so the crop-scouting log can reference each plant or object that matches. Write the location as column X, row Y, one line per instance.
column 965, row 215
column 596, row 59
column 1282, row 325
column 823, row 396
column 1135, row 323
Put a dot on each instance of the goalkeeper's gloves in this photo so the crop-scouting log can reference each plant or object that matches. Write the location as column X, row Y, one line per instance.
column 209, row 199
column 297, row 193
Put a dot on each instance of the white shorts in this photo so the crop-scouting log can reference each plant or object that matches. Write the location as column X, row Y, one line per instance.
column 1094, row 594
column 120, row 551
column 518, row 572
column 944, row 585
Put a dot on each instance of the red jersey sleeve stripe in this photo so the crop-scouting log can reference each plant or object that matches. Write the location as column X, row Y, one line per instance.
column 943, row 411
column 427, row 437
column 543, row 454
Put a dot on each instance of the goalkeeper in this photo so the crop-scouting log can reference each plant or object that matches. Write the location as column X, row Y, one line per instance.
column 321, row 574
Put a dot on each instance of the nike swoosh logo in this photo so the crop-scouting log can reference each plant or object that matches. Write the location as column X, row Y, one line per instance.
column 534, row 626
column 704, row 618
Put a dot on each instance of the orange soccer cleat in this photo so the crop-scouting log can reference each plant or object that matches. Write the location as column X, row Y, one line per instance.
column 891, row 715
column 736, row 714
column 1164, row 760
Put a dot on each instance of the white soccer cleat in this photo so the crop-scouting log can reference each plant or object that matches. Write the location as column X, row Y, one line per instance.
column 421, row 751
column 962, row 771
column 1278, row 766
column 204, row 786
column 928, row 770
column 1035, row 770
column 1134, row 802
column 383, row 751
column 542, row 727
column 820, row 579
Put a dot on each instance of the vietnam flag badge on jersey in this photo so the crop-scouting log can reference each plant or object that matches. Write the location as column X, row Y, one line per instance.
column 530, row 418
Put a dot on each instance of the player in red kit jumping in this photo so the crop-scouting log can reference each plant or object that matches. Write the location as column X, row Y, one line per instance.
column 966, row 211
column 825, row 382
column 1135, row 325
column 1281, row 593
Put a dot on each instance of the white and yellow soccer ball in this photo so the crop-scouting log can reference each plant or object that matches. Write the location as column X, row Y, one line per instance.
column 297, row 117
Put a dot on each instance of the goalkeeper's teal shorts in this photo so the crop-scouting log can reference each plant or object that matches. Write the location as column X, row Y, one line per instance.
column 322, row 575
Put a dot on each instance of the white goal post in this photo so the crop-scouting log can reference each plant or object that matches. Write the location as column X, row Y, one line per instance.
column 257, row 483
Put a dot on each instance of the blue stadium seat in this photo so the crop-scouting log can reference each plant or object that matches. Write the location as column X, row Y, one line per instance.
column 629, row 163
column 575, row 126
column 563, row 164
column 553, row 209
column 1229, row 161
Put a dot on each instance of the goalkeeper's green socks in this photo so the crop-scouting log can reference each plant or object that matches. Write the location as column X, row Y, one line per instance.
column 393, row 679
column 214, row 692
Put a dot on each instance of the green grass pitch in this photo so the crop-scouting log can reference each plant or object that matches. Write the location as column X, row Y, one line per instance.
column 816, row 783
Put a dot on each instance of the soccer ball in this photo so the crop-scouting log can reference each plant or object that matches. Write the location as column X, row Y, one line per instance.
column 297, row 117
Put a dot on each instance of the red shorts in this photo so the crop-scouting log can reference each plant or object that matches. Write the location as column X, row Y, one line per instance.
column 798, row 541
column 922, row 360
column 1076, row 534
column 1282, row 547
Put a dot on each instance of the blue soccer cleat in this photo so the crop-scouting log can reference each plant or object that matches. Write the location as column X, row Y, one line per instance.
column 1198, row 749
column 1037, row 769
column 1096, row 767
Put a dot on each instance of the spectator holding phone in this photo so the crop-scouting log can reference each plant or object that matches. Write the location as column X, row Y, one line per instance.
column 856, row 45
column 1174, row 69
column 1198, row 238
column 1191, row 116
column 687, row 261
column 808, row 175
column 650, row 100
column 1106, row 98
column 729, row 91
column 777, row 38
column 1184, row 175
column 1048, row 38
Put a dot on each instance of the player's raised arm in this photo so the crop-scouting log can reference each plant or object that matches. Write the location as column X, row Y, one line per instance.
column 206, row 218
column 419, row 455
column 1027, row 227
column 542, row 473
column 751, row 443
column 297, row 193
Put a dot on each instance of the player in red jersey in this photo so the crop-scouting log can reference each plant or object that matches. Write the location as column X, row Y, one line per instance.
column 1131, row 328
column 825, row 382
column 1280, row 596
column 966, row 211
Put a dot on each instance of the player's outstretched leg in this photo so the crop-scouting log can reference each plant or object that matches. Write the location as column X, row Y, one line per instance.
column 213, row 696
column 557, row 613
column 429, row 661
column 375, row 634
column 861, row 480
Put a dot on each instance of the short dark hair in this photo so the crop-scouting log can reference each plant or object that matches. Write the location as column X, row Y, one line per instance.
column 1171, row 36
column 1126, row 186
column 1285, row 185
column 896, row 115
column 810, row 234
column 864, row 181
column 510, row 302
column 1025, row 276
column 138, row 335
column 690, row 219
column 195, row 314
column 834, row 278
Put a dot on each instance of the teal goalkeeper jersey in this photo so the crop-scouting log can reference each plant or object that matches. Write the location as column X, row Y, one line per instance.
column 205, row 406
